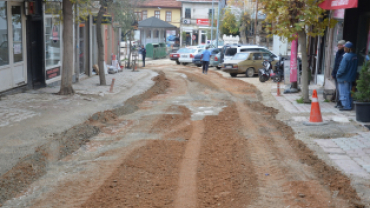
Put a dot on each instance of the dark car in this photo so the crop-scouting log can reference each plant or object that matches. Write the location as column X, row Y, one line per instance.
column 176, row 56
column 198, row 58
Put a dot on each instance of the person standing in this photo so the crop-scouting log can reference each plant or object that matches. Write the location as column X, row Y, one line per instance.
column 346, row 75
column 206, row 56
column 143, row 54
column 338, row 59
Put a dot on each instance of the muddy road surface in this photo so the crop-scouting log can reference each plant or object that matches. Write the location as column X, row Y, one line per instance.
column 194, row 141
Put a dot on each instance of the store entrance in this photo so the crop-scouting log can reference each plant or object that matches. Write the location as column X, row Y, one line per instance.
column 13, row 69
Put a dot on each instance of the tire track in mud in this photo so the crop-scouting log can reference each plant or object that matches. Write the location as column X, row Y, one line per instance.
column 289, row 173
column 186, row 195
column 32, row 167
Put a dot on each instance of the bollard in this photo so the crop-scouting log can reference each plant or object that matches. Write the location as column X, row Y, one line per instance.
column 278, row 89
column 111, row 85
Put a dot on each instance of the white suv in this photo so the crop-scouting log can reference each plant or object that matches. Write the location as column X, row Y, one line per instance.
column 230, row 52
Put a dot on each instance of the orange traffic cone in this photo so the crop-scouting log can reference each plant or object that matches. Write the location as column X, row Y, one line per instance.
column 315, row 116
column 278, row 89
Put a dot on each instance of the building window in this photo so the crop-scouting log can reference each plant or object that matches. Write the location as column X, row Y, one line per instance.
column 4, row 35
column 187, row 13
column 168, row 16
column 145, row 14
column 157, row 14
column 156, row 34
column 138, row 16
column 210, row 12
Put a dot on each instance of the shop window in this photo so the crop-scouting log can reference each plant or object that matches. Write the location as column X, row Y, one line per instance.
column 187, row 13
column 157, row 14
column 17, row 34
column 52, row 34
column 156, row 34
column 145, row 14
column 168, row 16
column 4, row 47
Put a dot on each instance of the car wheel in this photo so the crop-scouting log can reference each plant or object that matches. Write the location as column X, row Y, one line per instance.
column 184, row 63
column 177, row 62
column 233, row 74
column 218, row 68
column 198, row 65
column 249, row 72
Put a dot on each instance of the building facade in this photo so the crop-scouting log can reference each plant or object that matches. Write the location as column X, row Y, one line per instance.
column 195, row 20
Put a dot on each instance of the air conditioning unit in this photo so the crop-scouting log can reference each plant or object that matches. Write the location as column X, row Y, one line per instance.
column 186, row 21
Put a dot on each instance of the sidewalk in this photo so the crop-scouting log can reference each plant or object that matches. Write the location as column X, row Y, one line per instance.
column 343, row 143
column 28, row 120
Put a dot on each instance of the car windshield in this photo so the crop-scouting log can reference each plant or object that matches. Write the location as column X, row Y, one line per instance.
column 192, row 51
column 240, row 56
column 230, row 52
column 182, row 50
column 201, row 51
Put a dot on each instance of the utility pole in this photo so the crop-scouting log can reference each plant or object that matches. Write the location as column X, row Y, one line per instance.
column 255, row 24
column 218, row 22
column 213, row 11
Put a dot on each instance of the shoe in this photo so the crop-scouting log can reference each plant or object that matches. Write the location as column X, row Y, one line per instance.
column 339, row 106
column 345, row 109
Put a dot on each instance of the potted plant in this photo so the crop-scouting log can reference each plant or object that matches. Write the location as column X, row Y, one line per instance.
column 362, row 96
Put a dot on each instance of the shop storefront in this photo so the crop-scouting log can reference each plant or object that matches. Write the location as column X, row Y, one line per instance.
column 53, row 41
column 13, row 56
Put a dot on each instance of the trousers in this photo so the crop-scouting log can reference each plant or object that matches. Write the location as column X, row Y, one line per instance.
column 205, row 66
column 345, row 94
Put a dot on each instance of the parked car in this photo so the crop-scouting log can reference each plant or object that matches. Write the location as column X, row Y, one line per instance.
column 246, row 63
column 175, row 56
column 198, row 58
column 215, row 60
column 187, row 58
column 232, row 50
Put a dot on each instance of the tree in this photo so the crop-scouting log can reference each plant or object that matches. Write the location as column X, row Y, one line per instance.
column 229, row 24
column 67, row 72
column 297, row 19
column 245, row 19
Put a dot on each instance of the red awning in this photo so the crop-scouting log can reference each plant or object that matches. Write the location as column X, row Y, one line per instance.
column 338, row 4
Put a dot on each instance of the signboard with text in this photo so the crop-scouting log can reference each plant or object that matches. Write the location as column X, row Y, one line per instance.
column 106, row 19
column 204, row 22
column 338, row 4
column 52, row 73
column 338, row 14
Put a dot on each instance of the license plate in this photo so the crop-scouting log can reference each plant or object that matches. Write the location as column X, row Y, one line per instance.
column 174, row 55
column 184, row 56
column 229, row 67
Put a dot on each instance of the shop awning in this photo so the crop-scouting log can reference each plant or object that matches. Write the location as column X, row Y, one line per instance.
column 338, row 4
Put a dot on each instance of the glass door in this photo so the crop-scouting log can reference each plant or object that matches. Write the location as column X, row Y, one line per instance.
column 13, row 69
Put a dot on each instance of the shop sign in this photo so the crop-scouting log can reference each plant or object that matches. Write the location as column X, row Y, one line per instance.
column 52, row 73
column 338, row 14
column 203, row 22
column 338, row 4
column 106, row 19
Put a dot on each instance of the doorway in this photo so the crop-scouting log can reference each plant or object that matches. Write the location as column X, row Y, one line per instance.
column 13, row 68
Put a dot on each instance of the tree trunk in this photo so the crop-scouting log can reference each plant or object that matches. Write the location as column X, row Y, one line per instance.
column 304, row 79
column 100, row 46
column 130, row 47
column 242, row 33
column 67, row 71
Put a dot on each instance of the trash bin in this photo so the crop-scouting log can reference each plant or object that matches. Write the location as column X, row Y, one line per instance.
column 162, row 50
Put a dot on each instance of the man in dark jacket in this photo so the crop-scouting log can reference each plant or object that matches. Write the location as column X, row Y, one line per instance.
column 338, row 59
column 143, row 54
column 346, row 75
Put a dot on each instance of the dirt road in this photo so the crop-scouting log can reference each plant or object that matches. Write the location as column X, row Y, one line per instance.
column 195, row 141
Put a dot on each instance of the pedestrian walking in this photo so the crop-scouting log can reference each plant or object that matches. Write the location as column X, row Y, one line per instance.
column 206, row 56
column 338, row 59
column 143, row 54
column 346, row 75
